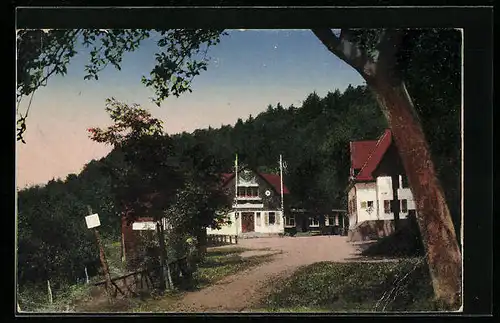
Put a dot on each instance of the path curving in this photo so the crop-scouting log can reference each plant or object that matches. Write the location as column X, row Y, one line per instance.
column 240, row 291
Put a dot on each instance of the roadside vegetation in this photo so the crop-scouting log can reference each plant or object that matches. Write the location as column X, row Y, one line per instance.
column 390, row 286
column 217, row 264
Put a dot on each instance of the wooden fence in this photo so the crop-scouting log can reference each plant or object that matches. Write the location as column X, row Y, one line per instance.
column 142, row 280
column 214, row 240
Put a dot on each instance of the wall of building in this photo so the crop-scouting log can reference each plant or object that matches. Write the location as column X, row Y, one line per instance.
column 377, row 192
column 366, row 192
column 228, row 229
column 278, row 227
column 352, row 213
column 235, row 227
column 384, row 188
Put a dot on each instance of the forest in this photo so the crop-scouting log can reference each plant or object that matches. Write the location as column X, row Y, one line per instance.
column 52, row 232
column 54, row 242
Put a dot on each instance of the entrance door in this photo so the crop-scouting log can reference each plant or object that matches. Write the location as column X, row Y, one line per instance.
column 247, row 222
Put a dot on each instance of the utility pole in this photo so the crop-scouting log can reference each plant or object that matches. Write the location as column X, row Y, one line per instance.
column 236, row 193
column 281, row 187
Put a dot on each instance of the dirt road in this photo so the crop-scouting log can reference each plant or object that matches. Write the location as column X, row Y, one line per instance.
column 240, row 291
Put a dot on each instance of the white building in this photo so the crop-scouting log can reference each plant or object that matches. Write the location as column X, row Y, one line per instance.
column 257, row 205
column 374, row 164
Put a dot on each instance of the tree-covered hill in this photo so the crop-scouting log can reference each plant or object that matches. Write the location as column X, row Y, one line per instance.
column 313, row 139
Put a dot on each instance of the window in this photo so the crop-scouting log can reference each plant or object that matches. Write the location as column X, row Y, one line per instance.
column 272, row 218
column 290, row 221
column 363, row 204
column 404, row 181
column 248, row 191
column 257, row 219
column 404, row 206
column 330, row 220
column 313, row 222
column 370, row 203
column 387, row 206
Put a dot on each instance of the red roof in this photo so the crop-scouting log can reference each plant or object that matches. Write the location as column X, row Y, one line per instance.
column 374, row 156
column 272, row 179
column 360, row 151
column 275, row 182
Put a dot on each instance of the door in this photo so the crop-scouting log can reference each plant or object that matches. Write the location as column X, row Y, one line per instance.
column 247, row 222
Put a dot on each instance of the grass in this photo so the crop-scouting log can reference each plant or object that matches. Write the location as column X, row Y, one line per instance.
column 113, row 257
column 354, row 287
column 218, row 263
column 224, row 262
column 71, row 298
column 35, row 298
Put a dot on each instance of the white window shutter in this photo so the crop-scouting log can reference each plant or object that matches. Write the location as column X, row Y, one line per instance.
column 266, row 218
column 278, row 217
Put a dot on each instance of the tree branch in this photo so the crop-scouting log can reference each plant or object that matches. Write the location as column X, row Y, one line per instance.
column 388, row 48
column 346, row 50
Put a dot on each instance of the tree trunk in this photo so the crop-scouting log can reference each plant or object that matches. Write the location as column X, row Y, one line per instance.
column 201, row 240
column 161, row 242
column 104, row 263
column 433, row 216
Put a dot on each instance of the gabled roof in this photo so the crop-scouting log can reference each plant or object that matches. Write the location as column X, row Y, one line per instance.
column 360, row 151
column 272, row 179
column 374, row 157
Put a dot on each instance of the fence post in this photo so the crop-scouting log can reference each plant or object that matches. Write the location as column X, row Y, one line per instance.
column 49, row 290
column 86, row 276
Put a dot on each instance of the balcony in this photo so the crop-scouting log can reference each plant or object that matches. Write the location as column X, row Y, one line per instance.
column 249, row 198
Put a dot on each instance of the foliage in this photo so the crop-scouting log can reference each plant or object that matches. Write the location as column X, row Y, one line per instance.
column 53, row 240
column 314, row 140
column 429, row 63
column 182, row 54
column 385, row 286
column 314, row 147
column 33, row 298
column 150, row 176
column 432, row 70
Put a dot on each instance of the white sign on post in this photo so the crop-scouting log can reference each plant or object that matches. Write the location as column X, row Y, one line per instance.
column 92, row 221
column 144, row 226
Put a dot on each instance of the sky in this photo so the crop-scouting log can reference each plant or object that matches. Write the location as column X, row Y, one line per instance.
column 248, row 70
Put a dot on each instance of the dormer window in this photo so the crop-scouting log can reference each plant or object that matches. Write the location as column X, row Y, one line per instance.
column 248, row 192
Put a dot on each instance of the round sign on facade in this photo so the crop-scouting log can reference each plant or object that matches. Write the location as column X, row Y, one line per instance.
column 268, row 193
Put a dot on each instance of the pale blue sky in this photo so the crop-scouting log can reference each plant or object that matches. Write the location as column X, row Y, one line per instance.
column 248, row 70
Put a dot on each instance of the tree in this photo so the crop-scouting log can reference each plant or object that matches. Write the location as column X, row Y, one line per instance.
column 181, row 186
column 375, row 54
column 53, row 241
